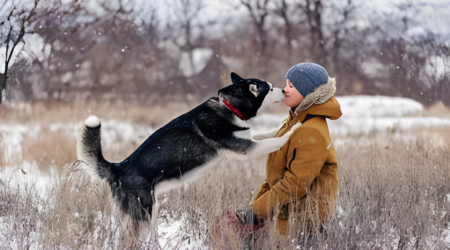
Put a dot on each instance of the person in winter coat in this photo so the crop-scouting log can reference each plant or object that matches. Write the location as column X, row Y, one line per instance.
column 302, row 177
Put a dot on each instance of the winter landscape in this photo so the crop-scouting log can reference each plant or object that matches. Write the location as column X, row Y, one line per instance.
column 137, row 65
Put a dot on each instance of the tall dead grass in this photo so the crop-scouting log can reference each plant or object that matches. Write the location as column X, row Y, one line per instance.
column 395, row 197
column 389, row 198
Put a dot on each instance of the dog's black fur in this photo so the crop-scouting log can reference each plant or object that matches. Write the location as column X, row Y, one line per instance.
column 183, row 145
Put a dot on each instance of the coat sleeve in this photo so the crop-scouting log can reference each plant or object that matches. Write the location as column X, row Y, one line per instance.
column 306, row 157
column 264, row 188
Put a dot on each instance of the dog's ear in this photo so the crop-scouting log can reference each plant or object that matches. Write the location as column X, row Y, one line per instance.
column 235, row 78
column 254, row 89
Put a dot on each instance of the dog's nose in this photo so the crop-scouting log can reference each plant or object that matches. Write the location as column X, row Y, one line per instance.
column 282, row 91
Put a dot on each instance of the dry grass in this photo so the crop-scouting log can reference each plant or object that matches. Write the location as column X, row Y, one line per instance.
column 55, row 148
column 395, row 198
column 47, row 112
column 393, row 195
column 389, row 198
column 59, row 148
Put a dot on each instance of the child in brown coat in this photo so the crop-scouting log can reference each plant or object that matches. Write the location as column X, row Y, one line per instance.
column 302, row 177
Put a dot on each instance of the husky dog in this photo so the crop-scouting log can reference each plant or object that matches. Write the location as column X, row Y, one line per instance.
column 176, row 153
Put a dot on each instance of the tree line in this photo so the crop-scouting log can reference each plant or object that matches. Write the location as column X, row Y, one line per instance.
column 181, row 50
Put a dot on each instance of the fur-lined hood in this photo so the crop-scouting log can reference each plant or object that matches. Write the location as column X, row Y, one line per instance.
column 320, row 102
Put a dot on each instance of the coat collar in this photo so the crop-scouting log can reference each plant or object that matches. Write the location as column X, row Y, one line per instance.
column 330, row 109
column 318, row 103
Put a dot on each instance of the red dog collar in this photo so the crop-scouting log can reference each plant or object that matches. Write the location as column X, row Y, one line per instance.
column 232, row 108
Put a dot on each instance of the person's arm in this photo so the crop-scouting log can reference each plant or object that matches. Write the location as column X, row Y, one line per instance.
column 264, row 188
column 306, row 157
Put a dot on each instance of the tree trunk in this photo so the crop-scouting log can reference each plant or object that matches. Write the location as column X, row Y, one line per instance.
column 3, row 86
column 288, row 34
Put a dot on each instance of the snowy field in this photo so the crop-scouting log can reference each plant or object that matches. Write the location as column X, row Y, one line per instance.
column 363, row 117
column 366, row 115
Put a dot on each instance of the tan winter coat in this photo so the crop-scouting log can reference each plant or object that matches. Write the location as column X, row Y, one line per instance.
column 306, row 165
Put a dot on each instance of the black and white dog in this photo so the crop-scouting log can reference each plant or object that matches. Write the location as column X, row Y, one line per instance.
column 176, row 153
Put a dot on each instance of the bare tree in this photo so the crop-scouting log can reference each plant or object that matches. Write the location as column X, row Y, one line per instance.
column 13, row 28
column 258, row 11
column 339, row 29
column 313, row 11
column 127, row 52
column 187, row 12
column 282, row 10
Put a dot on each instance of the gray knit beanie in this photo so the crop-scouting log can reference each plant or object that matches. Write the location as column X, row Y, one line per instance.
column 306, row 77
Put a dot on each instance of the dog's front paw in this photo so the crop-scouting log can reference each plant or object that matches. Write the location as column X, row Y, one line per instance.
column 295, row 127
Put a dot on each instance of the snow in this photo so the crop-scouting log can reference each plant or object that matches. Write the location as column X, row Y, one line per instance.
column 378, row 106
column 168, row 233
column 11, row 141
column 172, row 234
column 200, row 58
column 114, row 131
column 11, row 138
column 27, row 176
column 366, row 126
column 363, row 115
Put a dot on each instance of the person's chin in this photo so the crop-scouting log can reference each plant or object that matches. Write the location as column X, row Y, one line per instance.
column 287, row 104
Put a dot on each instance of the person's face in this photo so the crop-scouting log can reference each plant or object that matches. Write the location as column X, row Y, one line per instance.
column 292, row 98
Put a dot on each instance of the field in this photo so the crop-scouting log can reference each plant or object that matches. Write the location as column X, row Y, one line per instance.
column 394, row 187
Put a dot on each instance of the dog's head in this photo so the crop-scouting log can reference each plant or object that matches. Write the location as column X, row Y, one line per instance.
column 246, row 96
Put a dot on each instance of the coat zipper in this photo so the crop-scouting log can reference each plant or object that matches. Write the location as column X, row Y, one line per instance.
column 293, row 157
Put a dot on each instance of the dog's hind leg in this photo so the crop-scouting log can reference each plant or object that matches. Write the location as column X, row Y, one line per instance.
column 154, row 215
column 148, row 229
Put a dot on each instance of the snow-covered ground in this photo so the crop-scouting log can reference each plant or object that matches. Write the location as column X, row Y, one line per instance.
column 171, row 234
column 363, row 115
column 113, row 132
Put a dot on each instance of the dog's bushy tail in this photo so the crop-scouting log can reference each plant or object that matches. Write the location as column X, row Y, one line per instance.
column 89, row 152
column 89, row 149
